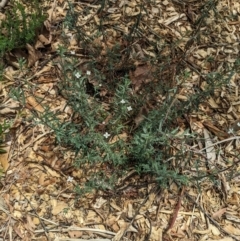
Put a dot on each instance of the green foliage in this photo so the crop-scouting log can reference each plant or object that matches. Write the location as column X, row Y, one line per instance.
column 20, row 26
column 103, row 127
column 92, row 128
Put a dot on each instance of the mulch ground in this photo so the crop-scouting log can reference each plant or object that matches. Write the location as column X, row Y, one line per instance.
column 38, row 201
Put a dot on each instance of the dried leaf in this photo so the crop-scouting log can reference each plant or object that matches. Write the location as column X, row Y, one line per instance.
column 34, row 104
column 4, row 158
column 58, row 206
column 9, row 107
column 234, row 199
column 142, row 74
column 210, row 150
column 219, row 213
column 43, row 39
column 33, row 55
column 116, row 138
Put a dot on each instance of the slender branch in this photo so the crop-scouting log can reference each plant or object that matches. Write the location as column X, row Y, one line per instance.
column 175, row 212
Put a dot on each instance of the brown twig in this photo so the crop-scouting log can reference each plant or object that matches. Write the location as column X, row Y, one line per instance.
column 175, row 213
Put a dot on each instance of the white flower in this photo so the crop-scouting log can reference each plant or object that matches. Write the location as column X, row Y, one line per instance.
column 106, row 135
column 129, row 108
column 72, row 52
column 230, row 131
column 100, row 85
column 88, row 72
column 122, row 101
column 70, row 179
column 238, row 124
column 77, row 75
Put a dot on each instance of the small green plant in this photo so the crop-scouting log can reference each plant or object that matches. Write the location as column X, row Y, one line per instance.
column 20, row 26
column 100, row 134
column 104, row 126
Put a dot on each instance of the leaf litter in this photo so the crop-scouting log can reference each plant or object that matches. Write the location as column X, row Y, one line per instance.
column 37, row 201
